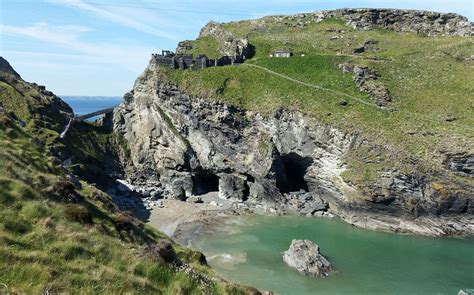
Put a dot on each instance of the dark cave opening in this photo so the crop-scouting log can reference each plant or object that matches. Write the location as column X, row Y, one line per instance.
column 205, row 182
column 290, row 170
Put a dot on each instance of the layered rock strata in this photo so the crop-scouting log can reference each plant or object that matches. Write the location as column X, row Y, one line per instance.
column 181, row 145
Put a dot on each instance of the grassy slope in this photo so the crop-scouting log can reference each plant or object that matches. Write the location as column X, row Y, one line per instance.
column 85, row 245
column 427, row 76
column 207, row 45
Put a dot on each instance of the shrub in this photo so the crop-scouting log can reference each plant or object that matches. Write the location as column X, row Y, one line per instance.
column 106, row 200
column 63, row 187
column 5, row 121
column 126, row 223
column 77, row 213
column 163, row 251
column 65, row 191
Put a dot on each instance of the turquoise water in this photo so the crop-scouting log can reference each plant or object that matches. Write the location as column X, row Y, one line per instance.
column 366, row 262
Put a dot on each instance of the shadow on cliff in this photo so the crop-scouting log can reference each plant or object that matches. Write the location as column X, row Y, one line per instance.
column 94, row 154
column 129, row 201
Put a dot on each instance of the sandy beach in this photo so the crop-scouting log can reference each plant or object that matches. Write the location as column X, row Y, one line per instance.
column 183, row 221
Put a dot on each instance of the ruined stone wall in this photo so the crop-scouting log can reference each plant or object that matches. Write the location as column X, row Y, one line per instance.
column 187, row 62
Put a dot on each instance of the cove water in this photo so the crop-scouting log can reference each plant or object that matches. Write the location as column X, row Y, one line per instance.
column 249, row 250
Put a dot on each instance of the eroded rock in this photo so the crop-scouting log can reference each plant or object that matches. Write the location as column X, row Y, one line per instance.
column 305, row 257
column 367, row 81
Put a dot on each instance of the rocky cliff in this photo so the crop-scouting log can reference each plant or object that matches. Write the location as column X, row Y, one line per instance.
column 399, row 20
column 183, row 145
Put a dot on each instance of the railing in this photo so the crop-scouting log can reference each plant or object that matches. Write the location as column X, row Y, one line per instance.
column 90, row 115
column 84, row 117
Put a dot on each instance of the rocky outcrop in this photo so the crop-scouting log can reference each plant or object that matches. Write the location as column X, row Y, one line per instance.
column 398, row 20
column 367, row 81
column 181, row 145
column 230, row 45
column 463, row 164
column 305, row 257
column 184, row 47
column 401, row 20
column 233, row 186
column 7, row 68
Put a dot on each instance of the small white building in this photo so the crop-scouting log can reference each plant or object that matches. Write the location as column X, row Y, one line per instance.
column 281, row 53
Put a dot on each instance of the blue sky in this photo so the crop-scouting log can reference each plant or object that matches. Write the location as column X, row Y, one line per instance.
column 98, row 47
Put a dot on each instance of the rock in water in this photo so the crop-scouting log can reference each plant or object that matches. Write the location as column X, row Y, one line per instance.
column 304, row 256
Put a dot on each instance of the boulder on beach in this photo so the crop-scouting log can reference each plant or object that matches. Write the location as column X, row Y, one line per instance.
column 305, row 257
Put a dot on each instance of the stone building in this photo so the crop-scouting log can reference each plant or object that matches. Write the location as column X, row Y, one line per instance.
column 281, row 53
column 186, row 61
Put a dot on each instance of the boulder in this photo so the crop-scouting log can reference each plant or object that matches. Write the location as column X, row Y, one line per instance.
column 163, row 251
column 313, row 207
column 359, row 49
column 195, row 199
column 233, row 186
column 305, row 257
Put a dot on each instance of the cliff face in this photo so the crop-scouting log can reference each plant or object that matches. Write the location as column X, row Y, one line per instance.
column 183, row 145
column 189, row 140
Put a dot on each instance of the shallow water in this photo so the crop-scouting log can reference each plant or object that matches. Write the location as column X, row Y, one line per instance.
column 366, row 262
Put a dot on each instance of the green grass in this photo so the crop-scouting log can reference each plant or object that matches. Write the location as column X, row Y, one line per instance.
column 48, row 244
column 207, row 45
column 43, row 114
column 427, row 77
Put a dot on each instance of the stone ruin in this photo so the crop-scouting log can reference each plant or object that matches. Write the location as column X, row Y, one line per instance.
column 187, row 61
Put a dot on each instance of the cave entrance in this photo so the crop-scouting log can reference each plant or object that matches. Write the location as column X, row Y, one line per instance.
column 205, row 182
column 290, row 170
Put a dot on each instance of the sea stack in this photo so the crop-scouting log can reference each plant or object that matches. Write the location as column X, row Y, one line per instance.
column 305, row 257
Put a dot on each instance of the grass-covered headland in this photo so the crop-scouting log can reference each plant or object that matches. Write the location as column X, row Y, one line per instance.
column 429, row 78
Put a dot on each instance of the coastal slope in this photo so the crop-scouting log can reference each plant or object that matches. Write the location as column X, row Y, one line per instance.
column 62, row 234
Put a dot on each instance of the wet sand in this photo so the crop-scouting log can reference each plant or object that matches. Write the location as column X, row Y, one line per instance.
column 183, row 221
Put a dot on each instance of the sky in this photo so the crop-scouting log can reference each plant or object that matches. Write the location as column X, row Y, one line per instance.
column 99, row 47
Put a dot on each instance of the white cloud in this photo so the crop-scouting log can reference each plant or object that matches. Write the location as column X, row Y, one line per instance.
column 125, row 15
column 45, row 32
column 124, row 54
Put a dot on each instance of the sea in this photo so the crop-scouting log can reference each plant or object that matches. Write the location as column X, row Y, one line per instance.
column 249, row 250
column 88, row 104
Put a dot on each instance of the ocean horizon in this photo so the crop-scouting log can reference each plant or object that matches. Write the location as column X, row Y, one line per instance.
column 88, row 104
